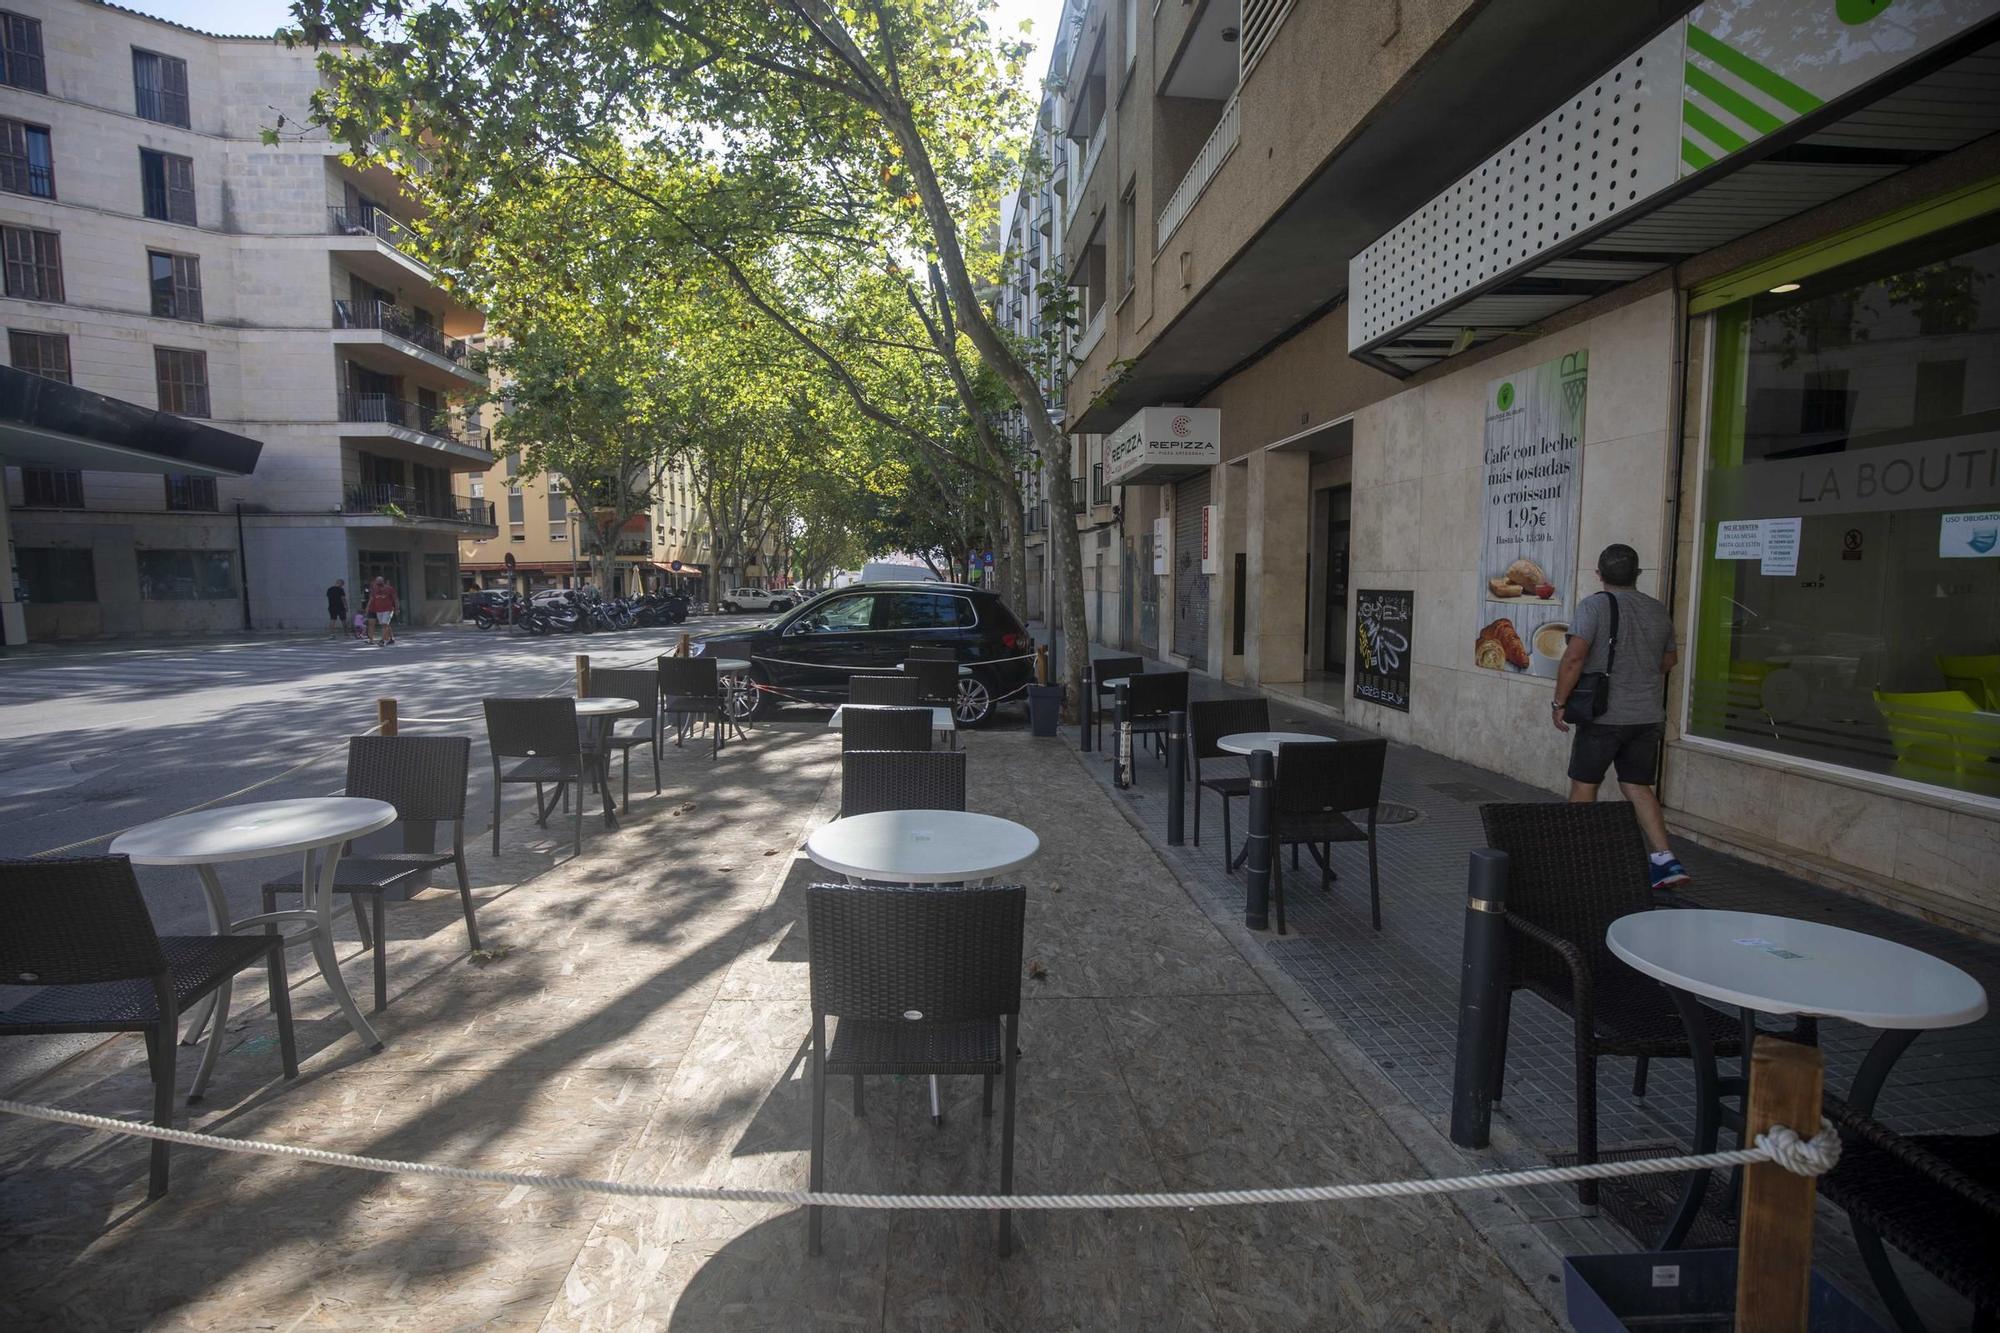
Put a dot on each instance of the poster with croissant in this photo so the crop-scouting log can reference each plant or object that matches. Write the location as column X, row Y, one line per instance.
column 1532, row 469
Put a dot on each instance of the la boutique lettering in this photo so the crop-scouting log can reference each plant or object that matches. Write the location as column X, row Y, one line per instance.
column 1961, row 470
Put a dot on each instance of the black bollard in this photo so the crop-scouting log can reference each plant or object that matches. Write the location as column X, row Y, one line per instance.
column 1176, row 775
column 1121, row 753
column 1257, row 854
column 1483, row 996
column 1087, row 708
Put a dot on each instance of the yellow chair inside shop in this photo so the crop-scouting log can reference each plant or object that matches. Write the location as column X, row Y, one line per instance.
column 1978, row 676
column 1942, row 736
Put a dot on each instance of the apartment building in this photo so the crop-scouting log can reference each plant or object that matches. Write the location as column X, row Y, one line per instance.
column 159, row 252
column 1395, row 314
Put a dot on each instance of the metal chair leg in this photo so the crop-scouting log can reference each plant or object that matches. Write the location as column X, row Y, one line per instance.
column 1007, row 1140
column 1639, row 1067
column 381, row 954
column 818, row 1168
column 360, row 920
column 281, row 1010
column 161, row 1043
column 465, row 897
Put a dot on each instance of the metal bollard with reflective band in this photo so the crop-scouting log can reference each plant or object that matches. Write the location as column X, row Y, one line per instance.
column 1257, row 853
column 1121, row 714
column 1087, row 709
column 1482, row 1001
column 1176, row 776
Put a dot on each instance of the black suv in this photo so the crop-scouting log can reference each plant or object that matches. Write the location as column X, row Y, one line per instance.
column 808, row 653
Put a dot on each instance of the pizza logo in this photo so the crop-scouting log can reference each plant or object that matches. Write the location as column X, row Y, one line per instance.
column 1180, row 425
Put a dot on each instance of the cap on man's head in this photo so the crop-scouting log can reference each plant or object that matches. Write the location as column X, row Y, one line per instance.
column 1618, row 565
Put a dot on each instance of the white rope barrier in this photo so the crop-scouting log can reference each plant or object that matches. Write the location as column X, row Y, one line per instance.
column 1780, row 1145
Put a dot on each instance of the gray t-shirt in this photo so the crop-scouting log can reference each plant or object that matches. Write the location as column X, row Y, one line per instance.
column 1645, row 635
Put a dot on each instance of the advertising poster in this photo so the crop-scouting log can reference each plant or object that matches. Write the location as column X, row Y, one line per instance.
column 1384, row 624
column 1532, row 468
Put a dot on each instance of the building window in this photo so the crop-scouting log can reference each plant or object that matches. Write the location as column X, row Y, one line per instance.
column 33, row 262
column 183, row 379
column 51, row 488
column 21, row 52
column 516, row 507
column 1850, row 545
column 160, row 87
column 558, row 532
column 166, row 184
column 1100, row 492
column 44, row 354
column 27, row 163
column 187, row 576
column 517, row 532
column 478, row 485
column 176, row 284
column 1128, row 238
column 440, row 578
column 57, row 574
column 194, row 494
column 1130, row 13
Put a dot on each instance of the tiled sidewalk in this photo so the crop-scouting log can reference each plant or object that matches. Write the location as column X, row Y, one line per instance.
column 1394, row 995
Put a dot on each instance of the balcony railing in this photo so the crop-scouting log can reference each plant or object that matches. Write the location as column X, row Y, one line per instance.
column 409, row 502
column 397, row 412
column 1093, row 333
column 1221, row 143
column 371, row 221
column 393, row 319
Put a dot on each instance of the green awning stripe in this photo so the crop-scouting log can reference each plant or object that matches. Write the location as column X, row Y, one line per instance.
column 1780, row 88
column 1693, row 155
column 1711, row 129
column 1736, row 104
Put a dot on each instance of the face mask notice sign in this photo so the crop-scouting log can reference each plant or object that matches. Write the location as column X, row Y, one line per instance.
column 1969, row 536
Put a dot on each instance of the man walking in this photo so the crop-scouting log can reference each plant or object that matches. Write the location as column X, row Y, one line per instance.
column 1624, row 632
column 336, row 609
column 382, row 609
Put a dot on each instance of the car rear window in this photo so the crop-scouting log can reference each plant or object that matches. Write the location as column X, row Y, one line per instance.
column 930, row 610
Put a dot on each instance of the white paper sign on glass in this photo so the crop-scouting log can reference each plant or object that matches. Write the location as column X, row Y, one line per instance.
column 1969, row 536
column 1781, row 546
column 1740, row 539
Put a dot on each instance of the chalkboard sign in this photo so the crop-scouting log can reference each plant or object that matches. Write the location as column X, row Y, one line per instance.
column 1384, row 624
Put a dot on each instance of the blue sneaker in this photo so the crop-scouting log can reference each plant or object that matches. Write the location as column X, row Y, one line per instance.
column 1669, row 876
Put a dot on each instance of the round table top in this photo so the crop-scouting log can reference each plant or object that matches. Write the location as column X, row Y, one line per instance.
column 245, row 832
column 922, row 846
column 1779, row 965
column 607, row 706
column 1244, row 742
column 730, row 665
column 962, row 670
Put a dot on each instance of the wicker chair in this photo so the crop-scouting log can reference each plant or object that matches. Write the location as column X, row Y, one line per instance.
column 1209, row 720
column 540, row 734
column 867, row 727
column 937, row 681
column 691, row 690
column 424, row 777
column 1110, row 668
column 872, row 780
column 918, row 981
column 1935, row 1197
column 918, row 652
column 1572, row 870
column 897, row 691
column 643, row 686
column 1317, row 783
column 1150, row 697
column 79, row 930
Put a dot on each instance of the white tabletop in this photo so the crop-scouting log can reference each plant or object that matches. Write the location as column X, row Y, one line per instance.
column 963, row 670
column 1115, row 682
column 731, row 665
column 608, row 706
column 245, row 832
column 1778, row 965
column 922, row 846
column 942, row 719
column 1244, row 742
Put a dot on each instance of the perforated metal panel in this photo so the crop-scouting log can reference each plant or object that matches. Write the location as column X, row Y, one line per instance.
column 1606, row 150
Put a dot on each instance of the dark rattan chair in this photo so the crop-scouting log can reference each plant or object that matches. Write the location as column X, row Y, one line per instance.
column 540, row 737
column 643, row 686
column 1572, row 870
column 1110, row 668
column 425, row 778
column 1318, row 783
column 897, row 691
column 1150, row 697
column 79, row 930
column 867, row 727
column 1209, row 720
column 872, row 780
column 1935, row 1197
column 937, row 681
column 918, row 981
column 917, row 652
column 690, row 690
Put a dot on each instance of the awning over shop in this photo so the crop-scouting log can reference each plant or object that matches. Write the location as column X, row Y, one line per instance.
column 1163, row 444
column 1738, row 116
column 45, row 423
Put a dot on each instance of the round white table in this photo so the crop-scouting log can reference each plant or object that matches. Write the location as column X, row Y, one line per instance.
column 1246, row 742
column 731, row 666
column 316, row 827
column 1756, row 963
column 922, row 846
column 599, row 714
column 962, row 670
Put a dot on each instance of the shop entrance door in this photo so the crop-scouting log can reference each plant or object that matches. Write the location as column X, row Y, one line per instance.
column 383, row 564
column 1335, row 617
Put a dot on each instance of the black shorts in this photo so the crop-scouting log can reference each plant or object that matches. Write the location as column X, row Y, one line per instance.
column 1594, row 747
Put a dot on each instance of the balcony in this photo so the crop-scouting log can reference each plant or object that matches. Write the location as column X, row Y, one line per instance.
column 377, row 223
column 380, row 247
column 1221, row 143
column 400, row 323
column 1093, row 333
column 388, row 337
column 406, row 503
column 425, row 430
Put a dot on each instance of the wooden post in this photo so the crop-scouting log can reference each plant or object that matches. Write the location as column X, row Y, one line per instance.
column 681, row 648
column 583, row 675
column 1042, row 664
column 385, row 716
column 1774, row 1251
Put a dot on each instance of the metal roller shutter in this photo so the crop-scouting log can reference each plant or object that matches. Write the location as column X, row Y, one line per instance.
column 1190, row 584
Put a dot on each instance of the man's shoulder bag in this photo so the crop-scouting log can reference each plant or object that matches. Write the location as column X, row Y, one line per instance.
column 1592, row 695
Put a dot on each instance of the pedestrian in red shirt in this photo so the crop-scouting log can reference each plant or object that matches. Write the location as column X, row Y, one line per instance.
column 382, row 608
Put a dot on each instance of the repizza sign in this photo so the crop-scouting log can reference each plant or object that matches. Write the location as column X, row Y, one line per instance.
column 1161, row 444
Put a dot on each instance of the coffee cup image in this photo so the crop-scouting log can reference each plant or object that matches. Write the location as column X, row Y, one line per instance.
column 1545, row 647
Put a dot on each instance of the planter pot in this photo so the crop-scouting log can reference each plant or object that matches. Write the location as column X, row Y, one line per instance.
column 1680, row 1292
column 1044, row 709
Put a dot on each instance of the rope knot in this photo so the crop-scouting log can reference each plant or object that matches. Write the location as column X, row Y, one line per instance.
column 1802, row 1157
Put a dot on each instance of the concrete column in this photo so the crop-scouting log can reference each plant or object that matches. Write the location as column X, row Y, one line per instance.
column 13, row 616
column 1231, row 538
column 1280, row 508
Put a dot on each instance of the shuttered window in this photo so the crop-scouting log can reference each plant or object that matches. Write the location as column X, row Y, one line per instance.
column 183, row 378
column 166, row 182
column 33, row 263
column 160, row 87
column 1261, row 20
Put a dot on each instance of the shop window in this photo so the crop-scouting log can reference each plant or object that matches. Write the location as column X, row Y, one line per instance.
column 57, row 574
column 1849, row 608
column 187, row 576
column 440, row 578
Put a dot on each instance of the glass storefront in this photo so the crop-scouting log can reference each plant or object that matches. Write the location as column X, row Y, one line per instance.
column 1849, row 603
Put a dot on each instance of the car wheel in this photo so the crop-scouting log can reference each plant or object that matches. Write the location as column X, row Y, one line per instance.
column 973, row 704
column 743, row 700
column 729, row 607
